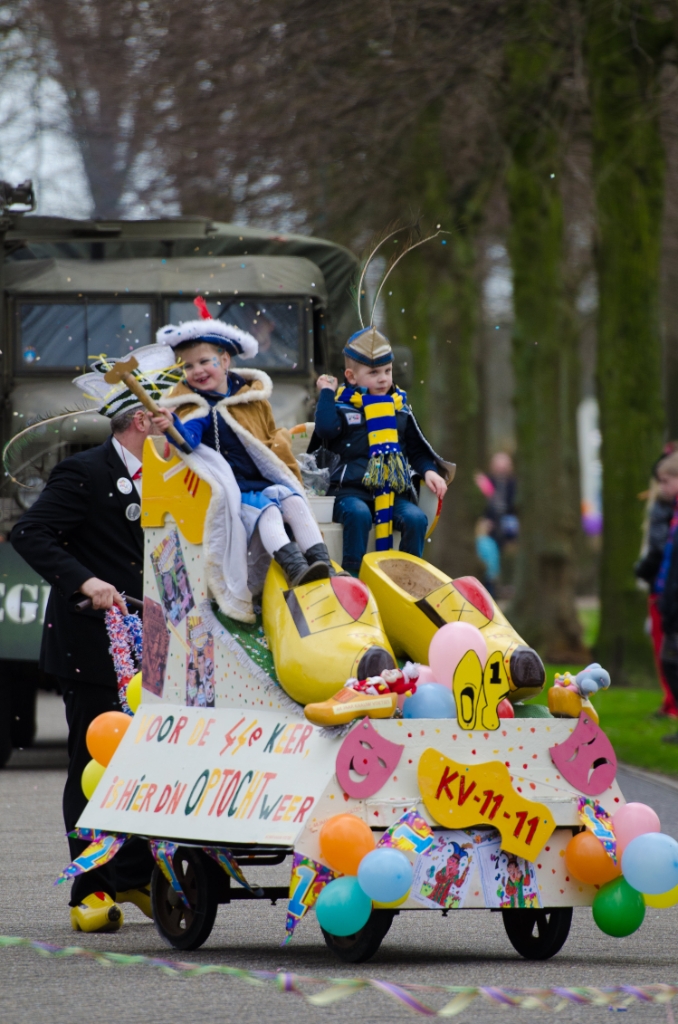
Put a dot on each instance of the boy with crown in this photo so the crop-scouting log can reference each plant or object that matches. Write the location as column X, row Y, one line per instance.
column 216, row 408
column 369, row 424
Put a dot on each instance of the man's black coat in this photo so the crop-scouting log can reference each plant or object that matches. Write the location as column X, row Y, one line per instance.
column 78, row 529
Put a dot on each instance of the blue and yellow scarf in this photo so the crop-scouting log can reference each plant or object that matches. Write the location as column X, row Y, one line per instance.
column 387, row 471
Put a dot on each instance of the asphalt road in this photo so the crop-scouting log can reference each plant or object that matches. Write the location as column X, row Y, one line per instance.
column 463, row 949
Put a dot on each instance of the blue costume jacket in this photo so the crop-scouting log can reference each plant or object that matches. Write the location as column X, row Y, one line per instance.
column 343, row 430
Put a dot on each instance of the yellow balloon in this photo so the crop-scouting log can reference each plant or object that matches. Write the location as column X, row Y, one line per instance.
column 91, row 777
column 394, row 904
column 662, row 899
column 134, row 692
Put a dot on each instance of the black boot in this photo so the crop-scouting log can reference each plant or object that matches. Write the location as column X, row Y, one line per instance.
column 319, row 553
column 296, row 568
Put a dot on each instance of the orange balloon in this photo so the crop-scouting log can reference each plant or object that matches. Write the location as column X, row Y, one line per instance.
column 344, row 841
column 104, row 735
column 587, row 861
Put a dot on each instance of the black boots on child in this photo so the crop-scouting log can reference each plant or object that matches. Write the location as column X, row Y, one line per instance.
column 314, row 564
column 299, row 568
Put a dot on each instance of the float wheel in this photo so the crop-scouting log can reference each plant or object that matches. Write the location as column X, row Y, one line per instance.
column 181, row 926
column 356, row 949
column 538, row 934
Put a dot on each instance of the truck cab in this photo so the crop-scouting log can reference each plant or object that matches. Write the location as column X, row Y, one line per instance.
column 72, row 290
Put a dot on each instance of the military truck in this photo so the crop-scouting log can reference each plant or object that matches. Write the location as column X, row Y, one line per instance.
column 70, row 290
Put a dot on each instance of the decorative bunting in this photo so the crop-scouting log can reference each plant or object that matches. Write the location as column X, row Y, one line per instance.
column 90, row 834
column 409, row 834
column 98, row 853
column 163, row 851
column 308, row 880
column 227, row 861
column 596, row 819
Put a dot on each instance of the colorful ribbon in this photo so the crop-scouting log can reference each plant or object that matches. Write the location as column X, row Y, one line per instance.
column 459, row 997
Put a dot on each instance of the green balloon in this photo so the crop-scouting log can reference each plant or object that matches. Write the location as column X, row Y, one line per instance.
column 618, row 909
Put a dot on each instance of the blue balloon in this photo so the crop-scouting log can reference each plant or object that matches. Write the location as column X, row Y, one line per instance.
column 432, row 700
column 385, row 874
column 342, row 907
column 650, row 863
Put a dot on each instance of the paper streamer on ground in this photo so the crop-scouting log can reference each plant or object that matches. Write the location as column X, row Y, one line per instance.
column 457, row 997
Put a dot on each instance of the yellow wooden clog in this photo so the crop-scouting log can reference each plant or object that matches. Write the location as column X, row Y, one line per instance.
column 415, row 599
column 321, row 634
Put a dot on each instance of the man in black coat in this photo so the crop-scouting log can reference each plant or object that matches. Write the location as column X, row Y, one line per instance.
column 84, row 537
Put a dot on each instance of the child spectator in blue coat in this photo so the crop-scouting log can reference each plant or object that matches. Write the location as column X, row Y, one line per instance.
column 368, row 423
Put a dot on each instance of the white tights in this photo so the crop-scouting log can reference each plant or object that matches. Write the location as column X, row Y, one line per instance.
column 296, row 512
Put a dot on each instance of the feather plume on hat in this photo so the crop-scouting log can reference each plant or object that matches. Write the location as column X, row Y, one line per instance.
column 368, row 345
column 214, row 332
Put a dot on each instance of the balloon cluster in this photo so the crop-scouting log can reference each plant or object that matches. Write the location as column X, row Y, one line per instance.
column 434, row 698
column 103, row 738
column 645, row 874
column 372, row 876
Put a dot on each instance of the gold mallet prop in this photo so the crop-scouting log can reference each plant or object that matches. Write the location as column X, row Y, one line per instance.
column 124, row 372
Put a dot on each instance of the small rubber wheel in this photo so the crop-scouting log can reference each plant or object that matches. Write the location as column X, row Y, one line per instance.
column 178, row 925
column 356, row 949
column 538, row 934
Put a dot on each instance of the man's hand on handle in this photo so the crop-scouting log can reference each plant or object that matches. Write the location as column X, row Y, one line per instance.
column 103, row 595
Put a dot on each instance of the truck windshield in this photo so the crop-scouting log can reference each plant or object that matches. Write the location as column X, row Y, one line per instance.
column 65, row 334
column 276, row 324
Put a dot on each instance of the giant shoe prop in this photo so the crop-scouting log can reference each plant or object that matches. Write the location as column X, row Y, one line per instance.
column 415, row 599
column 318, row 634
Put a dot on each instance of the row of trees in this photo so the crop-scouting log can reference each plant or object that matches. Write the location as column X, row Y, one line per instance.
column 541, row 120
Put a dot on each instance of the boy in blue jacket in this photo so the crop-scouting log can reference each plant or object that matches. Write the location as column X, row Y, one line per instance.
column 368, row 423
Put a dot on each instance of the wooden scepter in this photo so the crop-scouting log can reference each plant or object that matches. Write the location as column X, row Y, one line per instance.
column 123, row 371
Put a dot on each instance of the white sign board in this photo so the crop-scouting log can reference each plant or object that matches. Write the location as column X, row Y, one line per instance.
column 225, row 775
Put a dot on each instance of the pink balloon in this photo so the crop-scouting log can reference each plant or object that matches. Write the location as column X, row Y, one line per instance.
column 633, row 820
column 448, row 647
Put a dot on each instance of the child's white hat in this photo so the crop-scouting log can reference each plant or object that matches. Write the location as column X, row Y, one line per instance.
column 215, row 332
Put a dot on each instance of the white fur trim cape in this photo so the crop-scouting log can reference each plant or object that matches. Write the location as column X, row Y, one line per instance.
column 234, row 574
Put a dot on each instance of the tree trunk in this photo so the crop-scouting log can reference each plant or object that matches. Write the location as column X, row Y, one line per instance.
column 622, row 46
column 544, row 346
column 437, row 284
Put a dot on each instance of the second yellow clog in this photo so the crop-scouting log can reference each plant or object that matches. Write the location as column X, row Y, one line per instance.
column 415, row 599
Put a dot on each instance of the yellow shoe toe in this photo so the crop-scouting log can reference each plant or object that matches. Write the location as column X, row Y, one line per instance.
column 97, row 913
column 141, row 898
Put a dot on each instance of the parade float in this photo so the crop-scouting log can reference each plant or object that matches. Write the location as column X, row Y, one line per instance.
column 375, row 734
